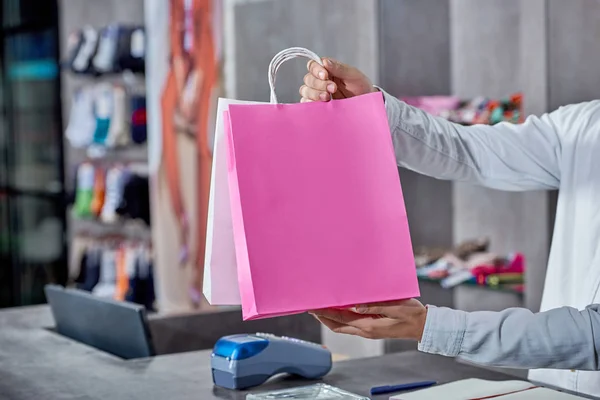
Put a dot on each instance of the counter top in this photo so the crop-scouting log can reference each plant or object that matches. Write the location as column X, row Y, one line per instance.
column 37, row 363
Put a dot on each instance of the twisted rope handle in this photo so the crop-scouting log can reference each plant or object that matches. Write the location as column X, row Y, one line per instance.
column 284, row 56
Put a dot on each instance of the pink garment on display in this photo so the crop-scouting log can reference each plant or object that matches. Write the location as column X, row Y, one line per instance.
column 433, row 105
column 317, row 207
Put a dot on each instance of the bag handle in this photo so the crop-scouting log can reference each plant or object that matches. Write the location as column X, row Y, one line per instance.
column 284, row 56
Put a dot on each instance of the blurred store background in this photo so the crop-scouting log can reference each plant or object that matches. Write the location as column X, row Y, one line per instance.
column 96, row 193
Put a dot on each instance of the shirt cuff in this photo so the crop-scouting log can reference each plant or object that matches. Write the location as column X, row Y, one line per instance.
column 392, row 107
column 444, row 331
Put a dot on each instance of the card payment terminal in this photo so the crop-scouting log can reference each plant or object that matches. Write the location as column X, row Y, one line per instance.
column 246, row 360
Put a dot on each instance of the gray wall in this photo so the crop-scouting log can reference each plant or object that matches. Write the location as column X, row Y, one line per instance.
column 314, row 24
column 573, row 51
column 414, row 43
column 414, row 40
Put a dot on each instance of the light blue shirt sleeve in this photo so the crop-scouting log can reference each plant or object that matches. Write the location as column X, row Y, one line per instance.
column 508, row 157
column 562, row 338
column 504, row 156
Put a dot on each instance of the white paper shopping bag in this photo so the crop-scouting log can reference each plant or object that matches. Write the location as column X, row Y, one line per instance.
column 220, row 285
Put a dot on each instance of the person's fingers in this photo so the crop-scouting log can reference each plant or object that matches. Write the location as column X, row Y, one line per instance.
column 350, row 330
column 339, row 70
column 338, row 315
column 338, row 327
column 366, row 323
column 329, row 323
column 318, row 84
column 367, row 327
column 314, row 94
column 318, row 71
column 305, row 100
column 391, row 309
column 332, row 325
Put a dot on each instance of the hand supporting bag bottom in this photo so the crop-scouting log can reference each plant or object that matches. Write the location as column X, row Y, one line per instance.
column 220, row 284
column 318, row 212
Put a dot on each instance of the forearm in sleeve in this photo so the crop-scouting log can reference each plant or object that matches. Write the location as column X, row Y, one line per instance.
column 562, row 338
column 505, row 156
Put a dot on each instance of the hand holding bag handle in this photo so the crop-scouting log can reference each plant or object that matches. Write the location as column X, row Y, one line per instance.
column 284, row 56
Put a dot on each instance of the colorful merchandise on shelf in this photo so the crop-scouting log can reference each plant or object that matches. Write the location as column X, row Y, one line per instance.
column 119, row 132
column 425, row 256
column 89, row 269
column 107, row 115
column 103, row 111
column 106, row 286
column 119, row 192
column 82, row 121
column 99, row 192
column 81, row 48
column 131, row 49
column 85, row 190
column 515, row 264
column 116, row 48
column 105, row 58
column 470, row 262
column 434, row 105
column 135, row 199
column 116, row 268
column 115, row 182
column 139, row 132
column 141, row 283
column 479, row 110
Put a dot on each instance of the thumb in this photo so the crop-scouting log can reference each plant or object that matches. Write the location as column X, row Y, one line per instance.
column 339, row 69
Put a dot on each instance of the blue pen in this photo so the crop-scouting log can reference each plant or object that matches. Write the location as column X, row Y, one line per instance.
column 397, row 388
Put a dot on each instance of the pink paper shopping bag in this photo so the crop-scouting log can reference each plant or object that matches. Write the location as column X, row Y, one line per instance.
column 317, row 207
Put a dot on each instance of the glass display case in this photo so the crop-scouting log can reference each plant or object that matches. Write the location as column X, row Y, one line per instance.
column 32, row 195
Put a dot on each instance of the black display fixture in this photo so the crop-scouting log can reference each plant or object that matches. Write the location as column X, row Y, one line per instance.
column 33, row 247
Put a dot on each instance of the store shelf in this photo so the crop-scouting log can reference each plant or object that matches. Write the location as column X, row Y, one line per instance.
column 506, row 288
column 131, row 229
column 130, row 153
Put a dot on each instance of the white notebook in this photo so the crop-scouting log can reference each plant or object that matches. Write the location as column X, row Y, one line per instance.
column 470, row 389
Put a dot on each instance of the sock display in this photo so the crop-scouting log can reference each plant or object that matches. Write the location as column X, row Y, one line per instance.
column 85, row 51
column 75, row 42
column 141, row 284
column 135, row 202
column 122, row 280
column 106, row 115
column 112, row 49
column 139, row 133
column 118, row 193
column 118, row 132
column 99, row 192
column 89, row 275
column 103, row 110
column 105, row 58
column 82, row 121
column 131, row 49
column 120, row 269
column 85, row 190
column 114, row 194
column 107, row 284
